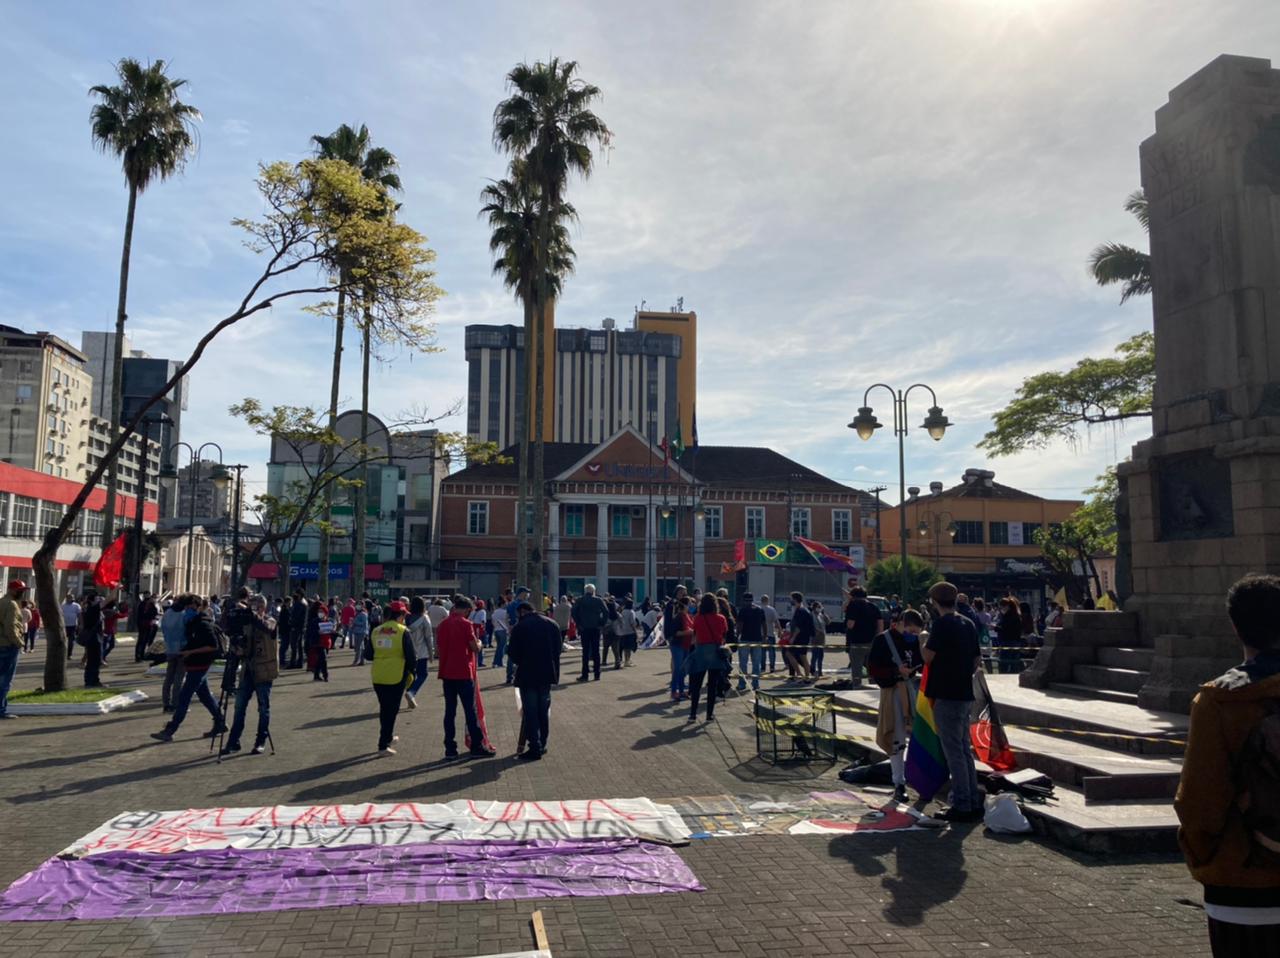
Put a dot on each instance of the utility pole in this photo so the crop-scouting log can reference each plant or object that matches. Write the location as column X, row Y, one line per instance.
column 879, row 543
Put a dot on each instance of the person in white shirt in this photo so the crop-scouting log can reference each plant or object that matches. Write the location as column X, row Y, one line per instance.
column 478, row 619
column 437, row 612
column 423, row 637
column 772, row 629
column 71, row 620
column 501, row 632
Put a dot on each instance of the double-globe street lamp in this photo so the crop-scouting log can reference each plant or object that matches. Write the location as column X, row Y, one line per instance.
column 218, row 475
column 934, row 521
column 866, row 424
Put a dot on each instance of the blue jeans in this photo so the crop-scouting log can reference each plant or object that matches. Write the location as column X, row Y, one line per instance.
column 771, row 653
column 678, row 655
column 194, row 685
column 750, row 662
column 501, row 639
column 535, row 706
column 8, row 666
column 419, row 676
column 464, row 690
column 952, row 718
column 263, row 692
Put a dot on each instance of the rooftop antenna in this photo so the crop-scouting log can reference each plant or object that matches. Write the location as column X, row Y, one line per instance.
column 679, row 305
column 642, row 303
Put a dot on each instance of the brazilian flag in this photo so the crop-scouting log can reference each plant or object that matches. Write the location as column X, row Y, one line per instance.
column 770, row 551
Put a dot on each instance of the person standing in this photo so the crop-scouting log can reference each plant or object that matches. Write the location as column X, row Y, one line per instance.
column 173, row 628
column 199, row 650
column 457, row 645
column 751, row 637
column 563, row 612
column 31, row 619
column 772, row 632
column 629, row 627
column 501, row 622
column 591, row 616
column 360, row 632
column 345, row 618
column 420, row 635
column 90, row 635
column 436, row 613
column 253, row 646
column 111, row 615
column 611, row 638
column 863, row 621
column 680, row 641
column 148, row 614
column 802, row 630
column 317, row 658
column 953, row 655
column 535, row 648
column 1228, row 799
column 297, row 629
column 11, row 639
column 818, row 653
column 892, row 661
column 71, row 622
column 390, row 652
column 709, row 630
column 479, row 622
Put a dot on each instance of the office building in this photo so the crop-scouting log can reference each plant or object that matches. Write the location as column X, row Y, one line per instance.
column 130, row 466
column 599, row 380
column 45, row 394
column 211, row 503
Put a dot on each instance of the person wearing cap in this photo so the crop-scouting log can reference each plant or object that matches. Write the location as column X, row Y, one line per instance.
column 11, row 639
column 953, row 654
column 457, row 645
column 390, row 650
column 535, row 647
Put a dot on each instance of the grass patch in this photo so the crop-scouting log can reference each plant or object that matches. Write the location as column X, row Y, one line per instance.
column 66, row 697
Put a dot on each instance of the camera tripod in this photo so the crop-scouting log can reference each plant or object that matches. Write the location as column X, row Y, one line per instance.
column 225, row 701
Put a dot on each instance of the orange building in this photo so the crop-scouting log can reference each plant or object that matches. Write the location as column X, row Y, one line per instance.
column 979, row 534
column 685, row 326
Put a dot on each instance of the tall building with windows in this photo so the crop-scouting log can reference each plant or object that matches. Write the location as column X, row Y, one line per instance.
column 45, row 397
column 601, row 380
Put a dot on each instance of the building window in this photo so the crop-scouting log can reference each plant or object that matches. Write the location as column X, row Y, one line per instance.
column 50, row 516
column 478, row 518
column 24, row 518
column 422, row 491
column 668, row 525
column 999, row 532
column 968, row 532
column 800, row 523
column 1029, row 530
column 755, row 522
column 575, row 520
column 621, row 522
column 713, row 524
column 4, row 513
column 841, row 525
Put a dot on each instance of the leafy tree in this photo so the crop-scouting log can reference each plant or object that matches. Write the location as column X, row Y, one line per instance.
column 511, row 208
column 885, row 578
column 143, row 122
column 309, row 209
column 1069, row 547
column 548, row 124
column 1117, row 263
column 1054, row 405
column 376, row 165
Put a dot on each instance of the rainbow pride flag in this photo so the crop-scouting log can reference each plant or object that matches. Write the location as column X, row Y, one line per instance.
column 926, row 765
column 829, row 559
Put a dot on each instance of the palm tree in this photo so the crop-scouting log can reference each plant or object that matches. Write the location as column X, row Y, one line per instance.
column 548, row 124
column 1118, row 263
column 511, row 207
column 143, row 122
column 376, row 165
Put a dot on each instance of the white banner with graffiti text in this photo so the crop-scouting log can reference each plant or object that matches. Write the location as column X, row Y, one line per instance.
column 404, row 823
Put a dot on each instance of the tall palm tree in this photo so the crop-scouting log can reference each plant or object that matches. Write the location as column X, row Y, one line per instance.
column 376, row 165
column 547, row 122
column 143, row 122
column 511, row 208
column 1118, row 263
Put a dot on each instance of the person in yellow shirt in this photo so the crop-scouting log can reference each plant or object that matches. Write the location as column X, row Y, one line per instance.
column 390, row 651
column 12, row 636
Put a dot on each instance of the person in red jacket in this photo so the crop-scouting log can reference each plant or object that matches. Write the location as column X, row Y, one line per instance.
column 709, row 628
column 457, row 646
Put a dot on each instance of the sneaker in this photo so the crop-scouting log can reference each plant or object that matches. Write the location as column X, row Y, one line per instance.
column 387, row 751
column 394, row 739
column 7, row 715
column 163, row 735
column 410, row 700
column 900, row 793
column 229, row 749
column 258, row 748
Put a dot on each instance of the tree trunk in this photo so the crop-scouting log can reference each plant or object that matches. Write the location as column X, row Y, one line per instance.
column 550, row 197
column 117, row 371
column 524, row 423
column 362, row 490
column 55, row 633
column 322, row 571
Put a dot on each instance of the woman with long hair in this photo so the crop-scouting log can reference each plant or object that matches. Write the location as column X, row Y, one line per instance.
column 709, row 629
column 419, row 627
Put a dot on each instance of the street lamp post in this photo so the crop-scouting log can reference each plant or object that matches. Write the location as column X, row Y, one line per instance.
column 931, row 520
column 237, row 506
column 169, row 473
column 866, row 424
column 138, row 505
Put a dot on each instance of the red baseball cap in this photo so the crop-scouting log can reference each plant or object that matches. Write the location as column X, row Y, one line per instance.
column 398, row 608
column 17, row 584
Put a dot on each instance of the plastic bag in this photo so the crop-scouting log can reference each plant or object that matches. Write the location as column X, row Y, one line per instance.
column 1005, row 817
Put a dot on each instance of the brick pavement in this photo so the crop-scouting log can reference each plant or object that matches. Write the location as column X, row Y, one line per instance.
column 953, row 893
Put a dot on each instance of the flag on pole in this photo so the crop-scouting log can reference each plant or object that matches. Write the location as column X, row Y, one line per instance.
column 926, row 765
column 665, row 446
column 829, row 559
column 108, row 571
column 677, row 444
column 693, row 440
column 990, row 743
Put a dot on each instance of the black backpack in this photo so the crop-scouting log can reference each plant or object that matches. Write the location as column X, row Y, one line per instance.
column 1258, row 788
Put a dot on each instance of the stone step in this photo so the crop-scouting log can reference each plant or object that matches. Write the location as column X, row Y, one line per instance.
column 1121, row 658
column 1114, row 828
column 1093, row 692
column 1106, row 677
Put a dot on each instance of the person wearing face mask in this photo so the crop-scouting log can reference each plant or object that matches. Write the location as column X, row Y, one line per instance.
column 893, row 660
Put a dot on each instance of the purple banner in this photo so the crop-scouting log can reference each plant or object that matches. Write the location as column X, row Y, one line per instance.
column 228, row 881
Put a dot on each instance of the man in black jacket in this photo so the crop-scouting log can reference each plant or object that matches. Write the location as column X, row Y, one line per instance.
column 297, row 629
column 751, row 634
column 591, row 616
column 534, row 647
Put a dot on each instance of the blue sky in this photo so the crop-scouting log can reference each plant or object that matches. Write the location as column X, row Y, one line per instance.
column 845, row 192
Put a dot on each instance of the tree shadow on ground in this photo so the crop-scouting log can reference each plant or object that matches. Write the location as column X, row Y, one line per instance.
column 668, row 736
column 291, row 777
column 98, row 723
column 60, row 760
column 928, row 868
column 653, row 708
column 471, row 773
column 336, row 693
column 87, row 786
column 340, row 720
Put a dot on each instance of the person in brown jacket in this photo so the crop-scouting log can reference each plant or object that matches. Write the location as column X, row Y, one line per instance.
column 1228, row 798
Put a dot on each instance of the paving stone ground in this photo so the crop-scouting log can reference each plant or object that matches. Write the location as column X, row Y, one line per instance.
column 958, row 892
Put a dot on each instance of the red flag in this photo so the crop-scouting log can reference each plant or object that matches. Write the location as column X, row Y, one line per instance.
column 484, row 729
column 108, row 572
column 739, row 555
column 990, row 744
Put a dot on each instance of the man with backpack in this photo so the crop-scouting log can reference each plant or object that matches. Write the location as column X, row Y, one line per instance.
column 1228, row 799
column 591, row 616
column 253, row 648
column 203, row 642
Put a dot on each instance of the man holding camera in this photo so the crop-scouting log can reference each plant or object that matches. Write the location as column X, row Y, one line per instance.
column 252, row 642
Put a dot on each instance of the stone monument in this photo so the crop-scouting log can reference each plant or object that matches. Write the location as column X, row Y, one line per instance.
column 1203, row 493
